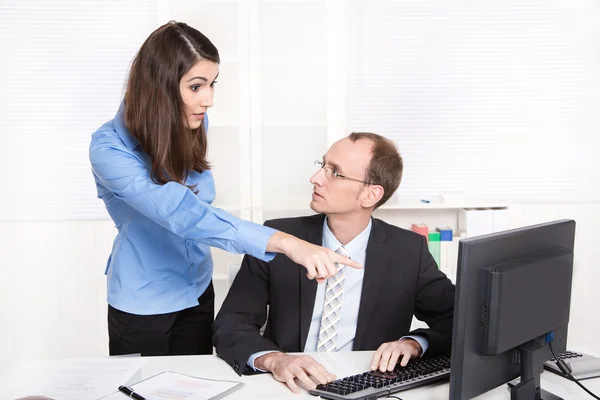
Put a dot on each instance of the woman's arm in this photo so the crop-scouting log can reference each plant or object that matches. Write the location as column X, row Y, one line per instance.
column 172, row 205
column 176, row 208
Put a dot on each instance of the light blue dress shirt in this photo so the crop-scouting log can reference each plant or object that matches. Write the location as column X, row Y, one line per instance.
column 357, row 250
column 160, row 260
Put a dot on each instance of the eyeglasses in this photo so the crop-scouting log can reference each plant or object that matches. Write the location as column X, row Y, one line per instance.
column 331, row 172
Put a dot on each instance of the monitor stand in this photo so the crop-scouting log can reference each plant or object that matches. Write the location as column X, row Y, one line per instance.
column 532, row 365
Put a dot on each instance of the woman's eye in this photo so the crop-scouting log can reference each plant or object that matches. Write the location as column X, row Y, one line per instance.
column 195, row 88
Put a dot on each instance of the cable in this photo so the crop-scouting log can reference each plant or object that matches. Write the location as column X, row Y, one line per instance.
column 389, row 395
column 566, row 369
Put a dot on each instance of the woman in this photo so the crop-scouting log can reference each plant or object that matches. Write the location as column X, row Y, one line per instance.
column 151, row 170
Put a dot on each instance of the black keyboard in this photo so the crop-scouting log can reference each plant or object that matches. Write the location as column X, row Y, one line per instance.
column 373, row 384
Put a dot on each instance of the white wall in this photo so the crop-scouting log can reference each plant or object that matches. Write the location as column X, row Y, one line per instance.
column 52, row 287
column 585, row 318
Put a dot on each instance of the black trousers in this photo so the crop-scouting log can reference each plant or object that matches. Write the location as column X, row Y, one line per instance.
column 185, row 332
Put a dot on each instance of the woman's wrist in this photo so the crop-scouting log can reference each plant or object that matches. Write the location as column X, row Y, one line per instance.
column 279, row 242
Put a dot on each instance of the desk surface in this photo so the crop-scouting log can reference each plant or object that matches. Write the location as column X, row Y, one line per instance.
column 342, row 364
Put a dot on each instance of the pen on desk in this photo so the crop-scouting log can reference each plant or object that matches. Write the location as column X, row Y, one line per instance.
column 425, row 201
column 130, row 393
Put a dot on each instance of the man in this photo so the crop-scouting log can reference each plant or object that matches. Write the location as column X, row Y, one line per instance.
column 357, row 309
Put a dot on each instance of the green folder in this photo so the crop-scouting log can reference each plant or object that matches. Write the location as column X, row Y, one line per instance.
column 434, row 246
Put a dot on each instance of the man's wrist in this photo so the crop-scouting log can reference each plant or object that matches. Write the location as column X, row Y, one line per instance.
column 415, row 344
column 266, row 362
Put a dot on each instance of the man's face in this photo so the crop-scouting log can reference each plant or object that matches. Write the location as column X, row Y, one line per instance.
column 333, row 195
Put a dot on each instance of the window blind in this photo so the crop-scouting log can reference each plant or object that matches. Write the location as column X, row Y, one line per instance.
column 62, row 75
column 496, row 99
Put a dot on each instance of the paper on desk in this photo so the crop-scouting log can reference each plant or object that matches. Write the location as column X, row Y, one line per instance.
column 173, row 386
column 81, row 379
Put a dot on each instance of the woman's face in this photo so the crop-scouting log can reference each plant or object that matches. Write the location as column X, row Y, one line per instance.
column 197, row 89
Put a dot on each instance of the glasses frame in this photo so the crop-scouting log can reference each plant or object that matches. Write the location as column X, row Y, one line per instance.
column 335, row 174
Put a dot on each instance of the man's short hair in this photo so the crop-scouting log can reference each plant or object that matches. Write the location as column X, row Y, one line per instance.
column 386, row 165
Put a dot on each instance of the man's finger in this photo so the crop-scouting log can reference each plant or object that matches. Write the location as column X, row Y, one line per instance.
column 393, row 360
column 318, row 373
column 385, row 358
column 311, row 362
column 405, row 358
column 292, row 385
column 330, row 377
column 308, row 383
column 376, row 358
column 383, row 364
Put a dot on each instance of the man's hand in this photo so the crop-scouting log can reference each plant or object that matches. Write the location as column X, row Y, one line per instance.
column 387, row 355
column 286, row 369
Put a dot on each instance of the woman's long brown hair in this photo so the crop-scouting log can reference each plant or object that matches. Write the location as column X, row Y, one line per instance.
column 154, row 109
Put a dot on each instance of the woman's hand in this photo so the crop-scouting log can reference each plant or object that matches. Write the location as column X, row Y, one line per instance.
column 319, row 262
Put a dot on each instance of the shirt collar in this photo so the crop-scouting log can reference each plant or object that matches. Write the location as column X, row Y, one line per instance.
column 130, row 141
column 354, row 247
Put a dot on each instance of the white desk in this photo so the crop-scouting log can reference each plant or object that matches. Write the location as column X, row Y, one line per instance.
column 341, row 364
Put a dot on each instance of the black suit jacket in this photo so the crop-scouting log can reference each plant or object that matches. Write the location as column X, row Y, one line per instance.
column 401, row 280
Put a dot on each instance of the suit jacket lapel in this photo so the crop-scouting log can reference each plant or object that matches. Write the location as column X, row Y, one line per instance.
column 376, row 266
column 308, row 287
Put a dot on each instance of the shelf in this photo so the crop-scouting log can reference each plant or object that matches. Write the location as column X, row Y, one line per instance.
column 267, row 125
column 281, row 124
column 417, row 205
column 218, row 125
column 404, row 205
column 303, row 61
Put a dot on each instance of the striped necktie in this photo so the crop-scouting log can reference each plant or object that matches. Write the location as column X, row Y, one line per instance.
column 332, row 307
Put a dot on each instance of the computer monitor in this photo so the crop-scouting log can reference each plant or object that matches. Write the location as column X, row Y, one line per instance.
column 513, row 295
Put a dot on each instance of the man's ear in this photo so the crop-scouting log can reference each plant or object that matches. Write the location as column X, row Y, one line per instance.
column 374, row 194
